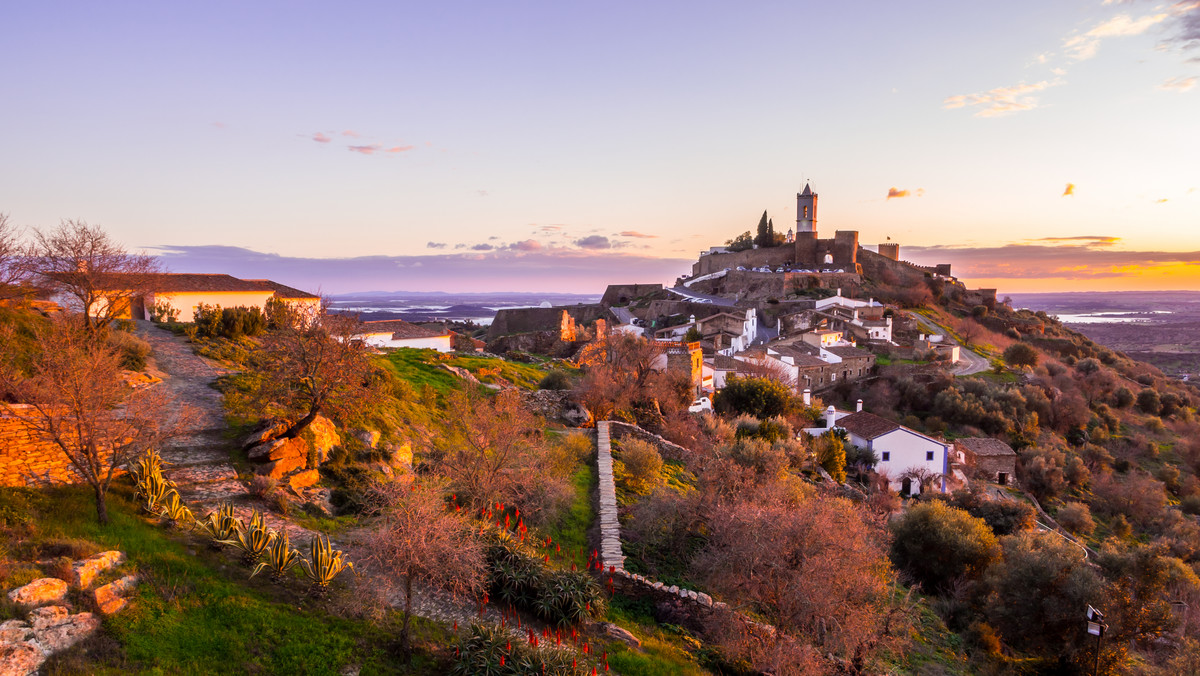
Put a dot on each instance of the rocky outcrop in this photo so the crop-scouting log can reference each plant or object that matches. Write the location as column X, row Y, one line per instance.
column 84, row 572
column 55, row 629
column 323, row 436
column 41, row 592
column 558, row 406
column 20, row 659
column 110, row 598
column 264, row 433
column 620, row 634
column 302, row 480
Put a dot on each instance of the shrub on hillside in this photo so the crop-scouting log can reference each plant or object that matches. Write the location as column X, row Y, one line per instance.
column 642, row 464
column 964, row 544
column 1021, row 354
column 1123, row 397
column 1004, row 517
column 213, row 321
column 759, row 397
column 133, row 350
column 1149, row 402
column 555, row 380
column 1077, row 518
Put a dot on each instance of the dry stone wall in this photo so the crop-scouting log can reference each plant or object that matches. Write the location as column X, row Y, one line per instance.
column 26, row 459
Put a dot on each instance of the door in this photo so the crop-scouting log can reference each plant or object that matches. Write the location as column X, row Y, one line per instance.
column 1002, row 478
column 906, row 487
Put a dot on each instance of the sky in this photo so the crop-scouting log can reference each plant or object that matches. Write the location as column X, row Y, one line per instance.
column 523, row 146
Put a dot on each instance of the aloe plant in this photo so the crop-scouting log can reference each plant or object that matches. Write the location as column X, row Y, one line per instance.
column 174, row 512
column 253, row 542
column 279, row 558
column 221, row 525
column 323, row 565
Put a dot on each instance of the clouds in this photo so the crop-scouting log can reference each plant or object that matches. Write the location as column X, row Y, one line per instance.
column 594, row 242
column 526, row 245
column 635, row 234
column 1080, row 258
column 1069, row 190
column 376, row 148
column 1001, row 100
column 1178, row 84
column 1085, row 46
column 321, row 138
column 896, row 193
column 573, row 271
column 1186, row 24
column 435, row 245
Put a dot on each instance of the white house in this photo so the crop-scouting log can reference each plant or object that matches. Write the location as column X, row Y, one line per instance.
column 731, row 332
column 898, row 448
column 399, row 333
column 182, row 293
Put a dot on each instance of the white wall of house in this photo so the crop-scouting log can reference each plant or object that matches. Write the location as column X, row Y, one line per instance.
column 185, row 302
column 439, row 343
column 905, row 450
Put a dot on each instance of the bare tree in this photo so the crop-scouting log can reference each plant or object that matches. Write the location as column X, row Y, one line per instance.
column 98, row 277
column 314, row 365
column 417, row 539
column 492, row 450
column 763, row 366
column 78, row 403
column 12, row 272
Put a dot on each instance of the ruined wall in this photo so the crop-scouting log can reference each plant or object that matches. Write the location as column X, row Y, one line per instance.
column 750, row 258
column 26, row 460
column 530, row 319
column 623, row 294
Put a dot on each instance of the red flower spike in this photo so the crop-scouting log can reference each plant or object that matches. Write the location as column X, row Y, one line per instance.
column 456, row 625
column 508, row 646
column 502, row 660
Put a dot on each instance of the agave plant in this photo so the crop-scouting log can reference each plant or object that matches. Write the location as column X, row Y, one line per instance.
column 147, row 464
column 221, row 525
column 152, row 486
column 279, row 558
column 323, row 565
column 253, row 540
column 174, row 512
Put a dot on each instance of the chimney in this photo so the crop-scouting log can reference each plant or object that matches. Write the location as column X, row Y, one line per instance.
column 859, row 408
column 807, row 397
column 839, row 293
column 870, row 302
column 830, row 417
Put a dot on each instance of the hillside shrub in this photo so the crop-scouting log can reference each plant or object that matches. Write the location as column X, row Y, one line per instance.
column 213, row 321
column 759, row 397
column 555, row 380
column 521, row 579
column 1021, row 354
column 1123, row 397
column 642, row 464
column 1149, row 402
column 964, row 544
column 492, row 650
column 1004, row 517
column 133, row 350
column 1077, row 518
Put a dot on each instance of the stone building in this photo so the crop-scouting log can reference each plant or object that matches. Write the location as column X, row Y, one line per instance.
column 988, row 458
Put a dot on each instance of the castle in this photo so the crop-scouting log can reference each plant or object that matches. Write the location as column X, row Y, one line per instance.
column 805, row 251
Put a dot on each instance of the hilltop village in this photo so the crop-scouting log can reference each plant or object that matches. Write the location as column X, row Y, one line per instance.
column 803, row 457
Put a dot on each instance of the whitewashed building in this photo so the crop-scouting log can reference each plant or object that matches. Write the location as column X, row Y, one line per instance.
column 399, row 333
column 899, row 449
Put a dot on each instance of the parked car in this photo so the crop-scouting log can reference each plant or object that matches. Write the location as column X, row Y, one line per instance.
column 701, row 404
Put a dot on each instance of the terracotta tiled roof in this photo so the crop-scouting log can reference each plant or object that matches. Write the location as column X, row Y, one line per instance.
column 725, row 363
column 400, row 329
column 985, row 446
column 282, row 291
column 168, row 282
column 867, row 425
column 848, row 352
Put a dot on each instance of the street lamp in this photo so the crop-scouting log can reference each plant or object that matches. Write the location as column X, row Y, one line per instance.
column 1096, row 627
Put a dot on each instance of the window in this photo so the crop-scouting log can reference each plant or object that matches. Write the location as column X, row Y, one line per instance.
column 806, row 212
column 929, row 455
column 885, row 456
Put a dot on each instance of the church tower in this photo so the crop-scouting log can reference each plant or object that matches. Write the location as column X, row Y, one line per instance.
column 806, row 211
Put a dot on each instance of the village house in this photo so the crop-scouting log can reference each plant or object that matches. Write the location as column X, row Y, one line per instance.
column 987, row 458
column 681, row 357
column 396, row 333
column 182, row 293
column 727, row 332
column 902, row 453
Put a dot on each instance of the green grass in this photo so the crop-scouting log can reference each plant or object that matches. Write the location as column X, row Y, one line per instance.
column 571, row 531
column 196, row 611
column 422, row 367
column 665, row 651
column 933, row 648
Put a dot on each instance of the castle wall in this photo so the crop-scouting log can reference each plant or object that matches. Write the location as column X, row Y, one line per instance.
column 623, row 294
column 530, row 319
column 750, row 258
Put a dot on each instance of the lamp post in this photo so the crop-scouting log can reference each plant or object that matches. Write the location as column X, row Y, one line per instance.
column 1096, row 627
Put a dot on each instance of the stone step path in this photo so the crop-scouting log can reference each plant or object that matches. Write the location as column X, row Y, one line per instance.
column 610, row 528
column 197, row 459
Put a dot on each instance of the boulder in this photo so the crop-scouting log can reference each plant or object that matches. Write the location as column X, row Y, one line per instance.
column 41, row 592
column 20, row 659
column 84, row 572
column 47, row 616
column 66, row 631
column 111, row 597
column 280, row 449
column 303, row 479
column 264, row 433
column 281, row 468
column 577, row 414
column 15, row 631
column 704, row 599
column 369, row 438
column 324, row 437
column 402, row 456
column 621, row 634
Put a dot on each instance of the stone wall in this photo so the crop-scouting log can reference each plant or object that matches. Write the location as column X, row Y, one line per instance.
column 26, row 459
column 667, row 449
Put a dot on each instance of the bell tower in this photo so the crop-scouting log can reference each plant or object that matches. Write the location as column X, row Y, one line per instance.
column 806, row 211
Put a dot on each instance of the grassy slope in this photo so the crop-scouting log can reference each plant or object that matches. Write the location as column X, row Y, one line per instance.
column 197, row 613
column 421, row 367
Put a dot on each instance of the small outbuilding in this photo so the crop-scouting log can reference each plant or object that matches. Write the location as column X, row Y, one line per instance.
column 989, row 458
